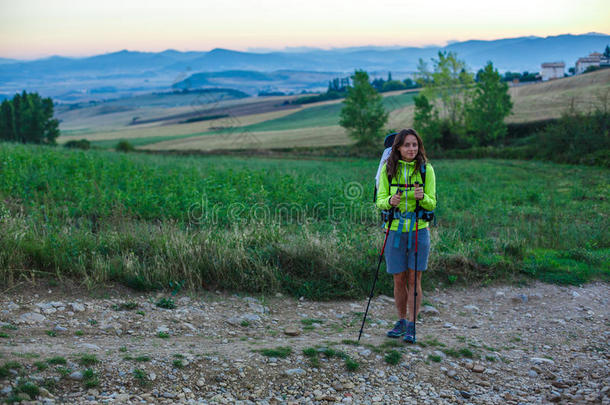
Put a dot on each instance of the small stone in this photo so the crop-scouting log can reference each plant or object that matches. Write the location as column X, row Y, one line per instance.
column 258, row 308
column 519, row 299
column 478, row 368
column 540, row 360
column 387, row 299
column 365, row 352
column 430, row 310
column 90, row 346
column 294, row 371
column 234, row 320
column 58, row 328
column 440, row 354
column 77, row 307
column 292, row 331
column 77, row 375
column 532, row 374
column 31, row 317
column 560, row 384
column 252, row 318
column 575, row 294
column 465, row 394
column 451, row 373
column 393, row 379
column 471, row 308
column 12, row 306
column 152, row 376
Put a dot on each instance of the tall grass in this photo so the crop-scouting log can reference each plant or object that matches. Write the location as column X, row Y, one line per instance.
column 302, row 227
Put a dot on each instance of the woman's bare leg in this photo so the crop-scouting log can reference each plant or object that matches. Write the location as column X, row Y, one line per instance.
column 410, row 293
column 401, row 294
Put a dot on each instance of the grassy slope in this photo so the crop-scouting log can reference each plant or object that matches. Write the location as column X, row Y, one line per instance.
column 112, row 127
column 549, row 99
column 151, row 219
column 316, row 125
column 531, row 102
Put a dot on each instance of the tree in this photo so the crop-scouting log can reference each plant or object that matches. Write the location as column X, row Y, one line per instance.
column 409, row 83
column 426, row 119
column 450, row 82
column 607, row 52
column 490, row 104
column 363, row 114
column 28, row 118
column 392, row 85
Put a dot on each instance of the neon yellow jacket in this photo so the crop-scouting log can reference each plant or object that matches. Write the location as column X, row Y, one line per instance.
column 407, row 168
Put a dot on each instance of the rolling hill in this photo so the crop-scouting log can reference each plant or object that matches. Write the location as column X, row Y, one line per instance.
column 269, row 122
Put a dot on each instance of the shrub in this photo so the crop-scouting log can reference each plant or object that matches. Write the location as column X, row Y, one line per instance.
column 80, row 144
column 124, row 146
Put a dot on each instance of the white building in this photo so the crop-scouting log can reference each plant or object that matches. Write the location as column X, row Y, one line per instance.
column 582, row 64
column 553, row 70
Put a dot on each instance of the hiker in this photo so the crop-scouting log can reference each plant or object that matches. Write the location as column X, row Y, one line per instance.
column 403, row 171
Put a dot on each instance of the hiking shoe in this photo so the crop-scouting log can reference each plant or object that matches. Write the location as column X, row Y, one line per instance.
column 400, row 328
column 410, row 333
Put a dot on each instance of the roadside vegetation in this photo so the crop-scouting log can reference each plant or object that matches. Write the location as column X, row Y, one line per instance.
column 307, row 228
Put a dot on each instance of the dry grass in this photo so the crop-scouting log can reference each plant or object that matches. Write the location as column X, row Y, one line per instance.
column 155, row 129
column 549, row 99
column 316, row 136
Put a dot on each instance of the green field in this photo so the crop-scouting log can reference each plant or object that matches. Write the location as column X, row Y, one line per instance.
column 302, row 227
column 324, row 115
column 309, row 117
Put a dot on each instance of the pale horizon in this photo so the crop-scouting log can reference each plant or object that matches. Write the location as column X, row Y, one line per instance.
column 34, row 29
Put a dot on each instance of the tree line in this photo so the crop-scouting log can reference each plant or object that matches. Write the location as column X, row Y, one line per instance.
column 454, row 109
column 28, row 118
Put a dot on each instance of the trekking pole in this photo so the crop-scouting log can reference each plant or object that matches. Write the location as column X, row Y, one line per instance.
column 415, row 284
column 387, row 232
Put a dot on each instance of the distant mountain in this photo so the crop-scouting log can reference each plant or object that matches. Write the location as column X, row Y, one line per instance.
column 126, row 72
column 7, row 60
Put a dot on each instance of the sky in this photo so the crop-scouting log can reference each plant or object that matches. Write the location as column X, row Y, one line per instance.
column 32, row 29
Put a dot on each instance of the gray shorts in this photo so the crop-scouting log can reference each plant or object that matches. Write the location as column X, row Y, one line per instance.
column 396, row 258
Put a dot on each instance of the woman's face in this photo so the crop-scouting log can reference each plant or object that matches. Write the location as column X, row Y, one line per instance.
column 409, row 148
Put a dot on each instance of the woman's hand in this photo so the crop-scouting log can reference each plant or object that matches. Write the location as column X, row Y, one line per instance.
column 418, row 192
column 395, row 199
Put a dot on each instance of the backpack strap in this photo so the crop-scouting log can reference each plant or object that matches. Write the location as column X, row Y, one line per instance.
column 422, row 171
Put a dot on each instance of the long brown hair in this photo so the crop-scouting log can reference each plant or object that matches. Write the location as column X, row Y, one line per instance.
column 395, row 156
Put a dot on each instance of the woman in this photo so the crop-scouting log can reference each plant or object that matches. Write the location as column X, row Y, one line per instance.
column 401, row 172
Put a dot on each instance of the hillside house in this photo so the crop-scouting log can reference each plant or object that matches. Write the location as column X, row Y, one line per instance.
column 552, row 70
column 582, row 64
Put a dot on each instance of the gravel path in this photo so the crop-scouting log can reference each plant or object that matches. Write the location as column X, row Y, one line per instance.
column 491, row 345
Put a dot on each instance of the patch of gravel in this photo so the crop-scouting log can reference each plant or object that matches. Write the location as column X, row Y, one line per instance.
column 493, row 345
